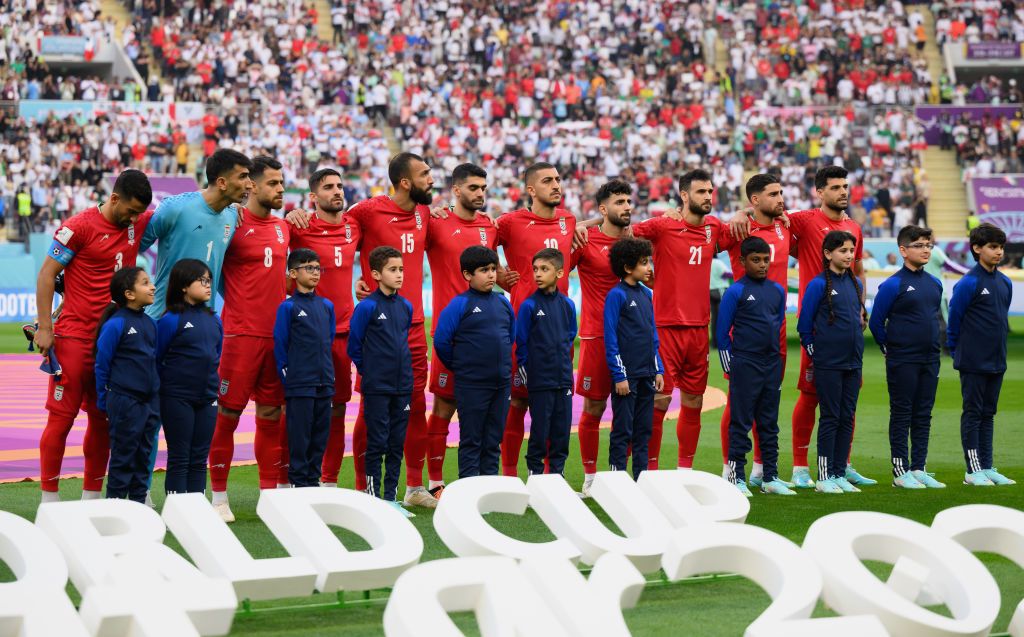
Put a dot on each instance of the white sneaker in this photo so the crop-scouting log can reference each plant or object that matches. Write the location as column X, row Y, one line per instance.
column 224, row 511
column 588, row 481
column 149, row 500
column 419, row 497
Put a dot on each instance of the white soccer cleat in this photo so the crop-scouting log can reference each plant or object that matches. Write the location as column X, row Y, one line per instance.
column 224, row 511
column 419, row 497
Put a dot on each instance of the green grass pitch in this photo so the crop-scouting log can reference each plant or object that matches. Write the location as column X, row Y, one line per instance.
column 723, row 606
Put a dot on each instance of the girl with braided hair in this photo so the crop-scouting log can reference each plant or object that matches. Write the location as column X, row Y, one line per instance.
column 831, row 331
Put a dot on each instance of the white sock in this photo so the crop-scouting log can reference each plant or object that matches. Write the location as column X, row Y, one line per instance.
column 329, row 485
column 409, row 489
column 797, row 468
column 726, row 472
column 433, row 484
column 220, row 497
column 588, row 479
column 54, row 496
column 757, row 471
column 284, row 485
column 90, row 495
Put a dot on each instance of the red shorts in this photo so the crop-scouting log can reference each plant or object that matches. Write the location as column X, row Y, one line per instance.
column 593, row 379
column 684, row 352
column 77, row 387
column 418, row 349
column 442, row 380
column 342, row 370
column 805, row 382
column 247, row 372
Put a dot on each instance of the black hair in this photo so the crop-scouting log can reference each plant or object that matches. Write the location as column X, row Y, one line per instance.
column 754, row 245
column 463, row 172
column 833, row 240
column 985, row 234
column 475, row 257
column 399, row 166
column 184, row 273
column 535, row 168
column 223, row 161
column 760, row 181
column 317, row 178
column 262, row 164
column 613, row 187
column 380, row 257
column 626, row 254
column 828, row 172
column 301, row 257
column 698, row 174
column 122, row 282
column 910, row 234
column 134, row 185
column 552, row 255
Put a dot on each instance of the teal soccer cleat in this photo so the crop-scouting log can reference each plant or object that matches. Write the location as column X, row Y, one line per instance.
column 907, row 481
column 927, row 480
column 997, row 478
column 828, row 486
column 776, row 487
column 978, row 479
column 855, row 478
column 802, row 479
column 846, row 485
column 742, row 486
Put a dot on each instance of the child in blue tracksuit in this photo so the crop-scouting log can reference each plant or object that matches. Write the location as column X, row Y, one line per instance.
column 831, row 331
column 378, row 344
column 303, row 336
column 631, row 349
column 905, row 323
column 127, row 382
column 188, row 345
column 750, row 318
column 545, row 331
column 978, row 327
column 474, row 339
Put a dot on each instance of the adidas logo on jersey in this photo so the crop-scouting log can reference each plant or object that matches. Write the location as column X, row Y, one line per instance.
column 834, row 293
column 303, row 313
column 188, row 325
column 476, row 309
column 541, row 313
column 632, row 304
column 381, row 317
column 910, row 288
column 131, row 330
column 751, row 298
column 984, row 291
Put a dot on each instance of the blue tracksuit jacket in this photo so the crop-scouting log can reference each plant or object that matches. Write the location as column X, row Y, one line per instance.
column 905, row 317
column 630, row 337
column 188, row 347
column 474, row 337
column 126, row 356
column 840, row 345
column 378, row 343
column 978, row 319
column 750, row 319
column 303, row 335
column 545, row 332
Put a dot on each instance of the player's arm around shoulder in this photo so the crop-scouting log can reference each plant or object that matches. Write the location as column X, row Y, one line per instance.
column 160, row 224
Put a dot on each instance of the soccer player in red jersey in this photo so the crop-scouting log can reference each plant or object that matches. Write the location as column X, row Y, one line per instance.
column 88, row 248
column 336, row 237
column 522, row 234
column 253, row 287
column 682, row 306
column 449, row 236
column 593, row 382
column 764, row 192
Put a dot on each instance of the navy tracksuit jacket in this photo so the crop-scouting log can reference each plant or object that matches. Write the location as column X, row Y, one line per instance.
column 127, row 386
column 545, row 332
column 473, row 338
column 303, row 336
column 977, row 332
column 905, row 323
column 188, row 347
column 750, row 318
column 378, row 343
column 837, row 350
column 631, row 349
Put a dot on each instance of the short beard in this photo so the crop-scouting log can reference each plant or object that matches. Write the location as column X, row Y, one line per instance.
column 618, row 221
column 468, row 204
column 329, row 208
column 421, row 196
column 698, row 209
column 267, row 204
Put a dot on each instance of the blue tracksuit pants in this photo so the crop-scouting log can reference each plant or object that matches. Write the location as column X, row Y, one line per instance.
column 632, row 419
column 387, row 417
column 188, row 428
column 309, row 422
column 981, row 397
column 133, row 427
column 838, row 390
column 482, row 413
column 754, row 390
column 550, row 422
column 911, row 398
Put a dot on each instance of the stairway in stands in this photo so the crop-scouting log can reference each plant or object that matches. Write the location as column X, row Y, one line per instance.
column 324, row 30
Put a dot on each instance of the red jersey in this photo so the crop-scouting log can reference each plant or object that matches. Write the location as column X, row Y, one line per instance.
column 385, row 224
column 445, row 243
column 776, row 235
column 336, row 244
column 523, row 234
column 254, row 281
column 682, row 268
column 596, row 280
column 809, row 227
column 91, row 249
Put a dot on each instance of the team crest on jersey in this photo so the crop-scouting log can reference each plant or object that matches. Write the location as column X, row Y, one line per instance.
column 707, row 232
column 419, row 220
column 586, row 383
column 131, row 235
column 224, row 387
column 517, row 381
column 58, row 392
column 809, row 375
column 348, row 233
column 442, row 380
column 778, row 230
column 227, row 232
column 483, row 237
column 561, row 225
column 280, row 235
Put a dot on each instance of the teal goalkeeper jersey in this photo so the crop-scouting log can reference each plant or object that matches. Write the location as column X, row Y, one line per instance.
column 185, row 227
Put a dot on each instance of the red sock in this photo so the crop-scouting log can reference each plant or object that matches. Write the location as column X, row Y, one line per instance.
column 96, row 449
column 51, row 449
column 688, row 433
column 416, row 440
column 803, row 426
column 726, row 415
column 335, row 449
column 512, row 441
column 286, row 459
column 267, row 449
column 437, row 445
column 359, row 450
column 654, row 446
column 222, row 450
column 757, row 444
column 590, row 439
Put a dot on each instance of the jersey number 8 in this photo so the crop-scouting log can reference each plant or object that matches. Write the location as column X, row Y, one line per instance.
column 268, row 257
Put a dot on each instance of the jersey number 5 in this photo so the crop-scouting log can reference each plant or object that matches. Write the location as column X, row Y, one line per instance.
column 337, row 256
